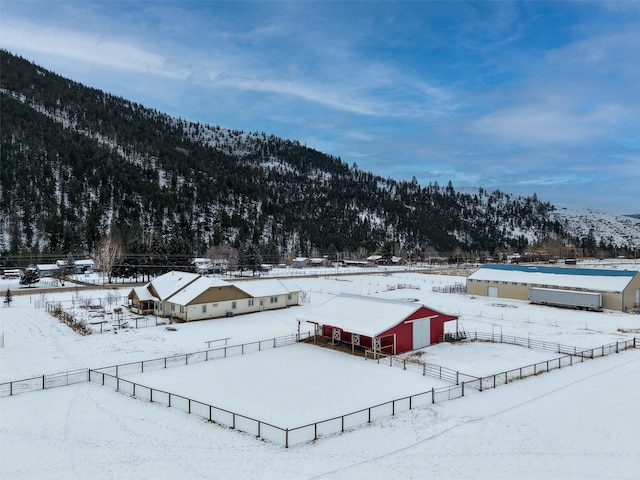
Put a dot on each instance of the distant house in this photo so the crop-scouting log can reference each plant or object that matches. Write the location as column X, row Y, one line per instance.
column 617, row 289
column 379, row 325
column 203, row 266
column 301, row 262
column 84, row 266
column 189, row 296
column 48, row 270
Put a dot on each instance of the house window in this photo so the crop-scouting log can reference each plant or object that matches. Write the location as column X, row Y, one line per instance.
column 289, row 297
column 173, row 307
column 204, row 309
column 181, row 309
column 273, row 299
column 234, row 304
column 251, row 302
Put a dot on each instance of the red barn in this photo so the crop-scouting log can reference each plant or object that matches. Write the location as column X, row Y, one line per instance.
column 385, row 326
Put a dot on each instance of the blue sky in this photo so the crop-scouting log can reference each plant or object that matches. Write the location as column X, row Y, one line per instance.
column 527, row 97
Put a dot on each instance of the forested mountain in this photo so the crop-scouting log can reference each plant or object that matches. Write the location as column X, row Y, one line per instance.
column 78, row 163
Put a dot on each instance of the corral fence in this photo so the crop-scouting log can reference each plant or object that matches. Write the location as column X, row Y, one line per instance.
column 44, row 382
column 201, row 356
column 460, row 288
column 111, row 376
column 571, row 355
column 594, row 352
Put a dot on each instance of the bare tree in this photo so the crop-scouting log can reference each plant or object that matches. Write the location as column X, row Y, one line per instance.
column 105, row 254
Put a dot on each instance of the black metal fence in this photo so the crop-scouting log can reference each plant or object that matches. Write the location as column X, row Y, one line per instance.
column 111, row 376
column 44, row 382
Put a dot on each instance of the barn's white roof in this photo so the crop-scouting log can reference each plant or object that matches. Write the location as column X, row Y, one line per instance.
column 362, row 315
column 588, row 279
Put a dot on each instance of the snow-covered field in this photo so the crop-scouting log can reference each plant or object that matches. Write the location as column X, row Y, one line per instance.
column 577, row 422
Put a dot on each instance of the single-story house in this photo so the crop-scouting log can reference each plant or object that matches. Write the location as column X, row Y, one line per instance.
column 48, row 270
column 301, row 262
column 84, row 266
column 617, row 289
column 380, row 325
column 189, row 296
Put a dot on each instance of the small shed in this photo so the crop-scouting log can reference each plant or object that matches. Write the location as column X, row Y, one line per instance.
column 383, row 326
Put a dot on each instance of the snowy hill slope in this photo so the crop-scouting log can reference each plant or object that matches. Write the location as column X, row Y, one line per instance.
column 617, row 230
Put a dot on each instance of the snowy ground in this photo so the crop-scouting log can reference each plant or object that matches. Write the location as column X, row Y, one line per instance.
column 578, row 422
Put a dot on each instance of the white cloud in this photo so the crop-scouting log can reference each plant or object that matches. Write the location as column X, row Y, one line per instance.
column 86, row 47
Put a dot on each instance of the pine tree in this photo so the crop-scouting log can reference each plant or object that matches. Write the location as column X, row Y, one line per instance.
column 30, row 277
column 8, row 298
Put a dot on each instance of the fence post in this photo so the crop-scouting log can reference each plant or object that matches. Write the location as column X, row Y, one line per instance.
column 457, row 377
column 433, row 395
column 342, row 424
column 315, row 431
column 393, row 408
column 424, row 369
column 43, row 383
column 480, row 383
column 258, row 428
column 286, row 438
column 463, row 389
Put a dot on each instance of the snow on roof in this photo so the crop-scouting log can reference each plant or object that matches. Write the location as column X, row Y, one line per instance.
column 169, row 283
column 265, row 288
column 86, row 261
column 367, row 316
column 587, row 278
column 143, row 294
column 47, row 266
column 196, row 288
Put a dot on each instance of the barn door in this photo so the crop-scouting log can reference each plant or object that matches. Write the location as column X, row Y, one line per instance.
column 492, row 292
column 421, row 333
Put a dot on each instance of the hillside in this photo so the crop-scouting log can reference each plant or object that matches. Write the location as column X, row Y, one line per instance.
column 608, row 230
column 78, row 163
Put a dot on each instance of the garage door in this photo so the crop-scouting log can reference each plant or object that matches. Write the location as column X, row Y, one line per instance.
column 421, row 333
column 492, row 292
